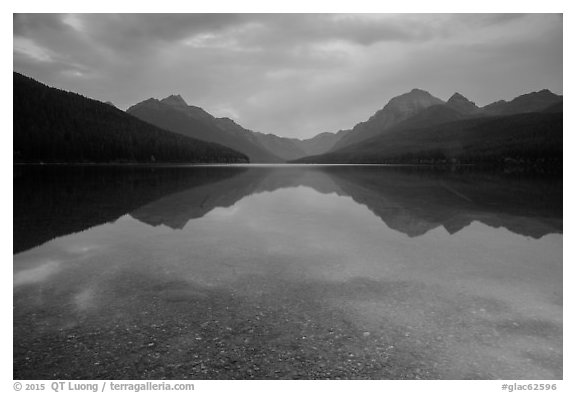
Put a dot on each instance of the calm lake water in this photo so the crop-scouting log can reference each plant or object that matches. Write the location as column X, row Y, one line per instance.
column 286, row 272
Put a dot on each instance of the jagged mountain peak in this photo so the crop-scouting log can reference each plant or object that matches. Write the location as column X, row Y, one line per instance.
column 414, row 95
column 419, row 91
column 461, row 104
column 150, row 102
column 458, row 97
column 541, row 94
column 174, row 100
column 395, row 111
column 413, row 101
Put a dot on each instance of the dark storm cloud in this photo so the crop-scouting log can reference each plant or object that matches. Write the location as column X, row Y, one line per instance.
column 292, row 74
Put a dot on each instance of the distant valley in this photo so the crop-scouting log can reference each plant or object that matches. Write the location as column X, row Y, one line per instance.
column 174, row 114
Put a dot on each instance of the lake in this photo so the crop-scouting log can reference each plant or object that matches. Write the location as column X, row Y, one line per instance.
column 286, row 272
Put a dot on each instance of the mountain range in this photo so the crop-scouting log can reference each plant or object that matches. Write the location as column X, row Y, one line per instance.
column 174, row 114
column 419, row 108
column 416, row 128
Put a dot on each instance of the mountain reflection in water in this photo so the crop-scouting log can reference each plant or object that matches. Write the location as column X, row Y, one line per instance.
column 285, row 272
column 55, row 202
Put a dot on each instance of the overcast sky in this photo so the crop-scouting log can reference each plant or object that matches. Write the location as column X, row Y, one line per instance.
column 291, row 74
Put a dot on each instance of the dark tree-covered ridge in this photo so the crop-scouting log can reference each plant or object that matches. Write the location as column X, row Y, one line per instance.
column 531, row 140
column 55, row 126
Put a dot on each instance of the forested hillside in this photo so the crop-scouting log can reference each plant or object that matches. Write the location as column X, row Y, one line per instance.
column 51, row 125
column 530, row 140
column 174, row 114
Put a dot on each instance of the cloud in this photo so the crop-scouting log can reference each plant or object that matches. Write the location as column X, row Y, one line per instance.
column 291, row 74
